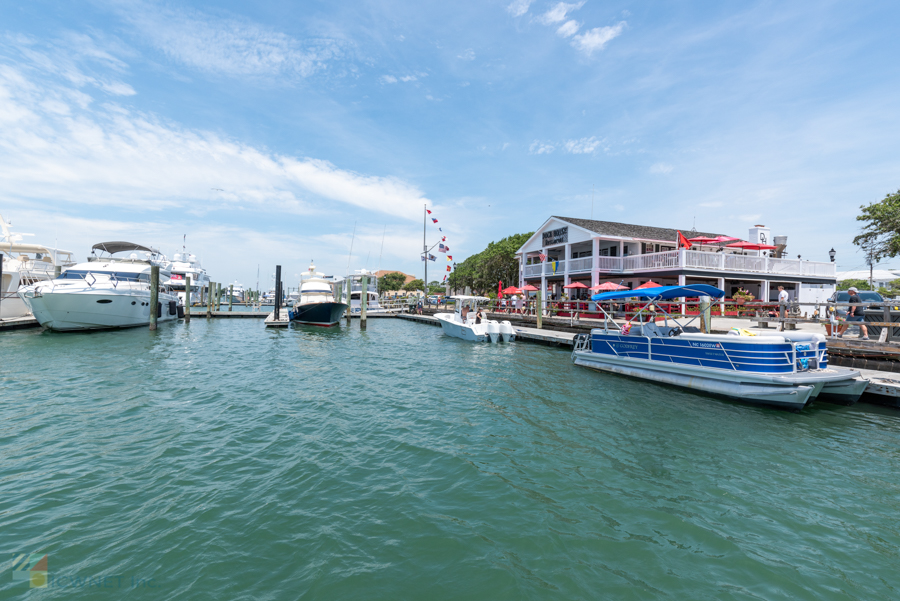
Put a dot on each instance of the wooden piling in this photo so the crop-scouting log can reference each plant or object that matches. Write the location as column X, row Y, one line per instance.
column 187, row 299
column 154, row 295
column 705, row 315
column 209, row 299
column 277, row 292
column 539, row 311
column 363, row 301
column 230, row 296
column 349, row 292
column 218, row 297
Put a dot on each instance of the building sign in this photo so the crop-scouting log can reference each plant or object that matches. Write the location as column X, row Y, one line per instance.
column 557, row 236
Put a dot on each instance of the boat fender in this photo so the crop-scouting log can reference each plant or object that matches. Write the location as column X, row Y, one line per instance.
column 173, row 307
column 180, row 312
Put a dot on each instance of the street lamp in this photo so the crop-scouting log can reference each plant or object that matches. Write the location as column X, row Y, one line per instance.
column 831, row 254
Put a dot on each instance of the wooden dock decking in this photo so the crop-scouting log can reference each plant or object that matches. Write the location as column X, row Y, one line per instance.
column 19, row 323
column 282, row 322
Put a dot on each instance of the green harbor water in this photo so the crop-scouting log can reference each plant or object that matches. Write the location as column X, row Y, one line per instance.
column 225, row 461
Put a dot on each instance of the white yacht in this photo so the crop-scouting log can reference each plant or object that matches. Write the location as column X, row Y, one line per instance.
column 24, row 265
column 454, row 324
column 373, row 305
column 316, row 305
column 186, row 265
column 105, row 292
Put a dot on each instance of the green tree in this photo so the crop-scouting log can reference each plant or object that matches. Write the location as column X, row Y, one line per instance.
column 414, row 285
column 847, row 284
column 880, row 235
column 391, row 281
column 497, row 262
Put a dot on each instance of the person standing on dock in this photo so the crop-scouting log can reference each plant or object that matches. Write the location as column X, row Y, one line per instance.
column 853, row 314
column 783, row 299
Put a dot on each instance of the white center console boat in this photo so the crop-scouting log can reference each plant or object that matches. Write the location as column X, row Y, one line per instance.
column 464, row 323
column 106, row 292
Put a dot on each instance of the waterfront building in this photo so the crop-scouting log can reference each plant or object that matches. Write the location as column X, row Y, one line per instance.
column 593, row 252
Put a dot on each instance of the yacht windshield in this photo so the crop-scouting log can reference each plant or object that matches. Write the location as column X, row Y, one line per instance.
column 119, row 275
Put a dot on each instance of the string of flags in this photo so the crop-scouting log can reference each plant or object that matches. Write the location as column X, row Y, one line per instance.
column 442, row 247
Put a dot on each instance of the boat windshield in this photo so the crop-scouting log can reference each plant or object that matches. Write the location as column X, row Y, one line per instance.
column 122, row 276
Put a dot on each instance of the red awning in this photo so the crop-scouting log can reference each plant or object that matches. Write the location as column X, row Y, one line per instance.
column 752, row 246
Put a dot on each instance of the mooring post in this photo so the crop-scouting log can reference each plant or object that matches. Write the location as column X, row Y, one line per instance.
column 230, row 296
column 363, row 302
column 349, row 292
column 277, row 292
column 154, row 295
column 705, row 315
column 202, row 296
column 209, row 299
column 887, row 319
column 540, row 310
column 187, row 299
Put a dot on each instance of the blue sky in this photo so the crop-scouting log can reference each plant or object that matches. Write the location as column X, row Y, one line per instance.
column 267, row 131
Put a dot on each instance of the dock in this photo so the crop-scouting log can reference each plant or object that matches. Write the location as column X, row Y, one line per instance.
column 282, row 321
column 549, row 337
column 19, row 323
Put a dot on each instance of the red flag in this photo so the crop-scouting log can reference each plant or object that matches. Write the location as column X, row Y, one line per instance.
column 433, row 219
column 448, row 268
column 499, row 288
column 429, row 212
column 683, row 242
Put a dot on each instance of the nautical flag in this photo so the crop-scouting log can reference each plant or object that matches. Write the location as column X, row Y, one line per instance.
column 683, row 242
column 442, row 248
column 432, row 258
column 429, row 211
column 448, row 268
column 439, row 229
column 555, row 265
column 542, row 257
column 449, row 258
column 423, row 257
column 444, row 239
column 433, row 219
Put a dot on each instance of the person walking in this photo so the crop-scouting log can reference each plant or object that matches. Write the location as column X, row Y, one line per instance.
column 783, row 300
column 854, row 314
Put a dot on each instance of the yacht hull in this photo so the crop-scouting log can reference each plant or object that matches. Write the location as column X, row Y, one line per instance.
column 318, row 314
column 100, row 310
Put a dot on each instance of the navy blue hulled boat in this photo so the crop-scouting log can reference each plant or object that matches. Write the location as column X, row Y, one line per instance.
column 786, row 370
column 316, row 305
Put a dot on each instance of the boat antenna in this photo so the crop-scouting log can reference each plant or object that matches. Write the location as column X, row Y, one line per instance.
column 257, row 276
column 367, row 259
column 184, row 244
column 592, row 202
column 350, row 256
column 382, row 247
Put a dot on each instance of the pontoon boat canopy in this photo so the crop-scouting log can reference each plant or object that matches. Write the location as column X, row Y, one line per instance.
column 118, row 247
column 662, row 292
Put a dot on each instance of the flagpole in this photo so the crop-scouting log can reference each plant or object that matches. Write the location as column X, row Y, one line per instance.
column 425, row 251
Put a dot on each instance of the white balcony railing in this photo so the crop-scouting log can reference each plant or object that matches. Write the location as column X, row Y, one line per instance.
column 690, row 259
column 585, row 264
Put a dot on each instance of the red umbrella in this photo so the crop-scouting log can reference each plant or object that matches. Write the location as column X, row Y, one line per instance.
column 606, row 286
column 716, row 240
column 575, row 285
column 649, row 284
column 500, row 288
column 511, row 290
column 529, row 288
column 752, row 246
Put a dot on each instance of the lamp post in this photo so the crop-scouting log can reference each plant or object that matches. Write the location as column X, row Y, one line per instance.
column 831, row 254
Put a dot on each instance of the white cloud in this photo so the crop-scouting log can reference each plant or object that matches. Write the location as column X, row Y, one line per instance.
column 558, row 13
column 597, row 38
column 538, row 147
column 408, row 78
column 233, row 47
column 519, row 7
column 468, row 55
column 388, row 79
column 55, row 145
column 569, row 28
column 583, row 146
column 661, row 168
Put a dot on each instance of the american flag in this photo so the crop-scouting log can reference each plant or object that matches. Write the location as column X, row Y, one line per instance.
column 442, row 248
column 542, row 257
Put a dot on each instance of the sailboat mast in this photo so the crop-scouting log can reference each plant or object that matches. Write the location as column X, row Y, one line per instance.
column 425, row 248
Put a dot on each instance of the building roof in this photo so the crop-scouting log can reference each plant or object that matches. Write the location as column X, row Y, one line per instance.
column 628, row 230
column 384, row 272
column 878, row 275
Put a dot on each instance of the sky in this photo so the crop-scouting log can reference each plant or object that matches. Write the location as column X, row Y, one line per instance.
column 280, row 132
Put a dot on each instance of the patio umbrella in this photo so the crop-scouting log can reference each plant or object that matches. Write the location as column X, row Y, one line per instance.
column 707, row 240
column 607, row 286
column 575, row 285
column 752, row 246
column 511, row 290
column 648, row 284
column 529, row 288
